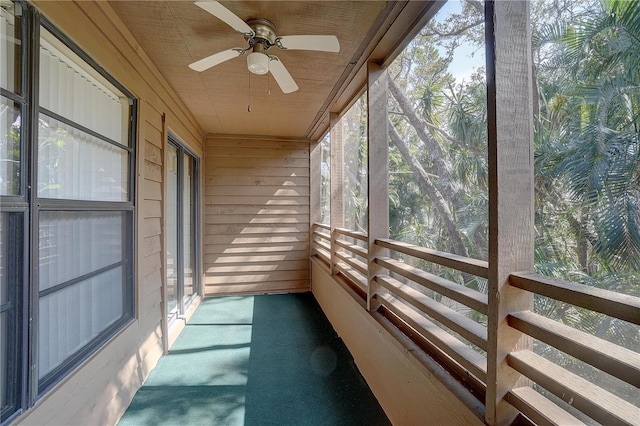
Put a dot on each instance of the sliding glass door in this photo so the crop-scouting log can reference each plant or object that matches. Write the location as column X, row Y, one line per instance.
column 182, row 228
column 188, row 227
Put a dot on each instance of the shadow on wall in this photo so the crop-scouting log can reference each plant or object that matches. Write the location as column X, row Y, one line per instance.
column 256, row 207
column 263, row 246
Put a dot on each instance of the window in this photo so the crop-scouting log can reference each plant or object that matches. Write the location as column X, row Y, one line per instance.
column 438, row 147
column 354, row 140
column 325, row 179
column 67, row 133
column 587, row 169
column 13, row 206
column 438, row 171
column 11, row 268
column 182, row 184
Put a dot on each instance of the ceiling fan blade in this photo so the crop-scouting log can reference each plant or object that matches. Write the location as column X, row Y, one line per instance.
column 322, row 43
column 213, row 60
column 281, row 75
column 225, row 15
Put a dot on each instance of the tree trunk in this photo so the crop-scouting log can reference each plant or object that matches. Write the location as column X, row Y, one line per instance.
column 432, row 192
column 445, row 181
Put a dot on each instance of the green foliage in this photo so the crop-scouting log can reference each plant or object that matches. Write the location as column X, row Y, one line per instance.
column 587, row 143
column 10, row 147
column 454, row 116
column 355, row 165
column 586, row 146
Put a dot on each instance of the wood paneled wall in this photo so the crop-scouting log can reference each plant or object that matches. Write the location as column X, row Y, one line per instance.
column 256, row 215
column 150, row 212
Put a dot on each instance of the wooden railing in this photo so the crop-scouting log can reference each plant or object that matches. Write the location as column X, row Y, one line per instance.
column 583, row 395
column 420, row 304
column 348, row 259
column 342, row 255
column 403, row 294
column 321, row 238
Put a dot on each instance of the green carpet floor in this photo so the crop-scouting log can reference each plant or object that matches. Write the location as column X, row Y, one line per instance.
column 256, row 360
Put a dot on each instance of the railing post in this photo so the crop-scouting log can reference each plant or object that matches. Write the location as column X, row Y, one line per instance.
column 511, row 206
column 378, row 170
column 336, row 183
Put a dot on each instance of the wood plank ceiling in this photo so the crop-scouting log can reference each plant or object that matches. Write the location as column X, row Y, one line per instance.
column 176, row 33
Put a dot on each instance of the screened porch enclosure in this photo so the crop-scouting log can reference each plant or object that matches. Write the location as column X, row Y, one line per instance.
column 167, row 235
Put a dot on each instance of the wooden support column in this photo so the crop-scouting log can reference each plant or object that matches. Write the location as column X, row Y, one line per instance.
column 163, row 237
column 336, row 183
column 377, row 169
column 511, row 206
column 315, row 180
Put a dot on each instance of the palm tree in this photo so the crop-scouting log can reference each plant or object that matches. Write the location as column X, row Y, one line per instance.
column 589, row 137
column 587, row 147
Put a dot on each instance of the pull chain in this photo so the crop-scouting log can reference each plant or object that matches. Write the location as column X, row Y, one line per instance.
column 249, row 107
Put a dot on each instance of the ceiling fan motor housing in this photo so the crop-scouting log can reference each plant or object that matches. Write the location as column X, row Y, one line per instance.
column 264, row 38
column 265, row 33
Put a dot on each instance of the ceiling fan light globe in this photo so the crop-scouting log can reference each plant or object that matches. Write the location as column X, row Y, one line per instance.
column 258, row 63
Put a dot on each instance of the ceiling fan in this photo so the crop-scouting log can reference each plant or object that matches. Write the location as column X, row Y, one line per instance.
column 260, row 34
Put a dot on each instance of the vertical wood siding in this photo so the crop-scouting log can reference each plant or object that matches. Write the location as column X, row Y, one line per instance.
column 256, row 215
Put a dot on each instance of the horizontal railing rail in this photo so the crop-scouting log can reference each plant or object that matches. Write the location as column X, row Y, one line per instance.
column 618, row 305
column 447, row 319
column 349, row 259
column 353, row 248
column 321, row 242
column 353, row 276
column 538, row 408
column 469, row 297
column 323, row 245
column 353, row 262
column 595, row 402
column 471, row 360
column 339, row 250
column 353, row 234
column 476, row 267
column 461, row 324
column 608, row 357
column 586, row 396
column 322, row 226
column 403, row 290
column 321, row 235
